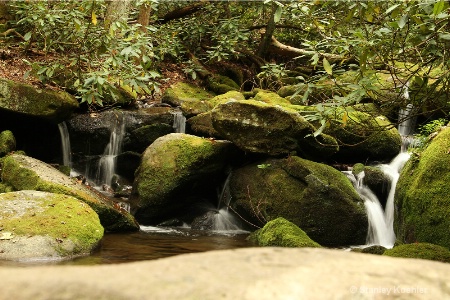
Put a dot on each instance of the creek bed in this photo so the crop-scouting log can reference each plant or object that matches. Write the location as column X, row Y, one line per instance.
column 151, row 243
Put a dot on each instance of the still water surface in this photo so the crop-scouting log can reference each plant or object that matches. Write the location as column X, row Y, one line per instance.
column 152, row 243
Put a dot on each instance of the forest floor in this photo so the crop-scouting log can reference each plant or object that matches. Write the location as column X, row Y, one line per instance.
column 15, row 65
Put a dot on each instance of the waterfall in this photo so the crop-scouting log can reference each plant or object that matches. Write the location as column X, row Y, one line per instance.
column 65, row 144
column 107, row 163
column 381, row 223
column 179, row 122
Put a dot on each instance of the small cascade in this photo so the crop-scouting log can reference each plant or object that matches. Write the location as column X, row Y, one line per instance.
column 107, row 163
column 224, row 219
column 219, row 219
column 407, row 121
column 179, row 122
column 381, row 223
column 65, row 144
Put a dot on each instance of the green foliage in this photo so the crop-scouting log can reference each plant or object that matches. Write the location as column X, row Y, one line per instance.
column 432, row 126
column 270, row 76
column 92, row 58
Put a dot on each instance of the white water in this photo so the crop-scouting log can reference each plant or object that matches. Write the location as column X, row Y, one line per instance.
column 65, row 144
column 107, row 163
column 179, row 122
column 381, row 222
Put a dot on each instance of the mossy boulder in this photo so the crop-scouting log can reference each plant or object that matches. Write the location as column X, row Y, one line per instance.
column 220, row 84
column 174, row 171
column 26, row 173
column 364, row 137
column 422, row 195
column 258, row 127
column 7, row 142
column 228, row 96
column 46, row 225
column 191, row 99
column 202, row 125
column 54, row 106
column 317, row 198
column 420, row 250
column 270, row 98
column 143, row 136
column 282, row 233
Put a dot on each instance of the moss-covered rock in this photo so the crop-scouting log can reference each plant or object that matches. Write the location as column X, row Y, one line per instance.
column 45, row 225
column 282, row 233
column 192, row 99
column 7, row 142
column 172, row 171
column 271, row 98
column 375, row 179
column 220, row 84
column 26, row 173
column 201, row 125
column 315, row 197
column 422, row 195
column 420, row 250
column 54, row 106
column 364, row 137
column 142, row 137
column 258, row 127
column 228, row 96
column 375, row 249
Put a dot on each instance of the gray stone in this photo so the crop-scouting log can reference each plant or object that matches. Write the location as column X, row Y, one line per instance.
column 245, row 274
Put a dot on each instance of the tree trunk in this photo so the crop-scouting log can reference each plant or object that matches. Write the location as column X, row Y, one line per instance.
column 267, row 34
column 144, row 16
column 184, row 11
column 284, row 50
column 117, row 10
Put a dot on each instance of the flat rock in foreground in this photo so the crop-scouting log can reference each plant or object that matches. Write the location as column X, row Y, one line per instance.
column 252, row 273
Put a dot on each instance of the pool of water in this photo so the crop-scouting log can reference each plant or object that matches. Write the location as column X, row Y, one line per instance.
column 152, row 243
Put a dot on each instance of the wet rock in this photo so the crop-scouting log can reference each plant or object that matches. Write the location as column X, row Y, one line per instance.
column 257, row 127
column 41, row 225
column 26, row 173
column 176, row 170
column 315, row 197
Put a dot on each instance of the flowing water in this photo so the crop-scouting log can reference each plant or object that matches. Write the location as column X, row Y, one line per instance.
column 107, row 163
column 65, row 144
column 179, row 122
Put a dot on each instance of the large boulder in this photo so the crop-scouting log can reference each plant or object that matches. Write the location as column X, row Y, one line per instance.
column 422, row 195
column 363, row 137
column 26, row 173
column 7, row 142
column 282, row 233
column 40, row 225
column 55, row 106
column 267, row 273
column 258, row 127
column 190, row 98
column 315, row 197
column 174, row 171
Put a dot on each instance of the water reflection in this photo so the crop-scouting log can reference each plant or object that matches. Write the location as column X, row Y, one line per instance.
column 152, row 243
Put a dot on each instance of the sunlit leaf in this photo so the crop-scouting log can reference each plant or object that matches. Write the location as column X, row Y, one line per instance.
column 438, row 7
column 277, row 15
column 94, row 18
column 327, row 66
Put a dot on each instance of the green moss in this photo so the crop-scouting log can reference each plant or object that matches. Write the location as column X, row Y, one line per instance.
column 7, row 142
column 271, row 98
column 61, row 217
column 55, row 106
column 5, row 188
column 221, row 84
column 376, row 249
column 282, row 233
column 358, row 168
column 228, row 96
column 422, row 195
column 25, row 173
column 420, row 250
column 315, row 197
